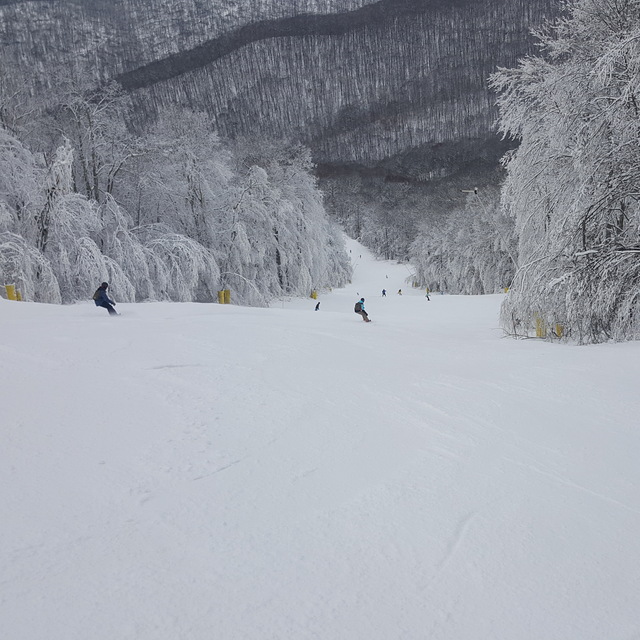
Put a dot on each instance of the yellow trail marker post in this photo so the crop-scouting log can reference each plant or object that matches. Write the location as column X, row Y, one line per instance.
column 541, row 328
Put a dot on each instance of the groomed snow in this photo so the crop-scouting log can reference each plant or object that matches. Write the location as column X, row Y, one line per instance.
column 212, row 472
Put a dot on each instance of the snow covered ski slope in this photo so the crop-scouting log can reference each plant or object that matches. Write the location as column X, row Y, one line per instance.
column 199, row 472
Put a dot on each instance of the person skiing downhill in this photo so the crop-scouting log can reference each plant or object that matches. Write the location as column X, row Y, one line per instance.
column 359, row 309
column 101, row 299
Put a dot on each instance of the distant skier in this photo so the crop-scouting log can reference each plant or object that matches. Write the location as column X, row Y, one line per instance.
column 101, row 299
column 359, row 309
column 427, row 294
column 317, row 307
column 384, row 293
column 399, row 292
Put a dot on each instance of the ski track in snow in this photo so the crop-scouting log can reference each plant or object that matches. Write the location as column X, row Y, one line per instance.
column 568, row 483
column 455, row 543
column 191, row 471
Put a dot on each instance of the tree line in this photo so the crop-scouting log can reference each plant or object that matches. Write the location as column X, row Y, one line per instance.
column 171, row 212
column 573, row 185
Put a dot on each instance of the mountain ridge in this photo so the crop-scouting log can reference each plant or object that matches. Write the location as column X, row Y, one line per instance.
column 303, row 25
column 358, row 82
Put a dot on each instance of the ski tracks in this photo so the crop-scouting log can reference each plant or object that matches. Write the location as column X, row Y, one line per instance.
column 456, row 541
column 573, row 485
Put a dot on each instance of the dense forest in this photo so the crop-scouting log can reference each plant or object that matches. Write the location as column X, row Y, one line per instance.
column 395, row 75
column 172, row 213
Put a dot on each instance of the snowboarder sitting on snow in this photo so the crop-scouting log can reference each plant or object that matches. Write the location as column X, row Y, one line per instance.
column 359, row 309
column 101, row 299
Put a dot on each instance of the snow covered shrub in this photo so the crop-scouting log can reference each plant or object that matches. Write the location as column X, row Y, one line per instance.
column 573, row 184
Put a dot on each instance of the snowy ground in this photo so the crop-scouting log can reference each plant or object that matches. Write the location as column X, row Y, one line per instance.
column 209, row 472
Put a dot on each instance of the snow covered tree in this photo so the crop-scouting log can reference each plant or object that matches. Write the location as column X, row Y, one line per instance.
column 199, row 223
column 94, row 120
column 471, row 251
column 16, row 105
column 275, row 236
column 300, row 225
column 573, row 184
column 183, row 178
column 65, row 228
column 21, row 262
column 20, row 176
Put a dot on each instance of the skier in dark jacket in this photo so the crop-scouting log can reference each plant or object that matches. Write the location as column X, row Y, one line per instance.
column 359, row 309
column 103, row 300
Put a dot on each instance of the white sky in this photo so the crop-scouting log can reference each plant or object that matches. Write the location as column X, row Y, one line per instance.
column 210, row 472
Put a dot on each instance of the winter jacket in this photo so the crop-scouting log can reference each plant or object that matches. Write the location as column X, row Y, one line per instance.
column 101, row 298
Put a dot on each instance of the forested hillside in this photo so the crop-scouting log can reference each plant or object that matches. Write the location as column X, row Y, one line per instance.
column 357, row 81
column 147, row 140
column 391, row 98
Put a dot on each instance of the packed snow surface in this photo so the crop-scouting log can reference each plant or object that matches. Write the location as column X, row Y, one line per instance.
column 205, row 471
